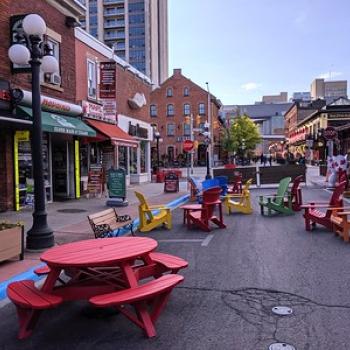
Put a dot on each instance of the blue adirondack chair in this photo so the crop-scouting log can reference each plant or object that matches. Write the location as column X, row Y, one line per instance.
column 223, row 183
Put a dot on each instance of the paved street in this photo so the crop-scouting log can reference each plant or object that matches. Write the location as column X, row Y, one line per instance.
column 234, row 279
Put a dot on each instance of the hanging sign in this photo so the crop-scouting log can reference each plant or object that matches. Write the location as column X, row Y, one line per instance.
column 330, row 133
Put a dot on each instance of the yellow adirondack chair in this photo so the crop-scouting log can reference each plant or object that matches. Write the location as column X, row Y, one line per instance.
column 239, row 202
column 148, row 220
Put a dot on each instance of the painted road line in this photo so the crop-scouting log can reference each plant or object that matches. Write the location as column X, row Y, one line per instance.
column 207, row 240
column 180, row 240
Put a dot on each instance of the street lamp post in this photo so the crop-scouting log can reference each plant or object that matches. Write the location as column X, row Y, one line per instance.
column 157, row 137
column 36, row 53
column 243, row 149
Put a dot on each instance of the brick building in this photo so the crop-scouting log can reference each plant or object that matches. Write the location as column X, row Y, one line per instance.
column 171, row 105
column 58, row 97
column 124, row 136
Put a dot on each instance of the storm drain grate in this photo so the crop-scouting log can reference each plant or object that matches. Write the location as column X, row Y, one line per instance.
column 282, row 310
column 71, row 211
column 281, row 346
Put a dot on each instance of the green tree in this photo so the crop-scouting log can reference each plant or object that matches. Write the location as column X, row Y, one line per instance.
column 242, row 137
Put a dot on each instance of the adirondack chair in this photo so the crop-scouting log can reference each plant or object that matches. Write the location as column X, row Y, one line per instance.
column 239, row 202
column 236, row 185
column 195, row 188
column 202, row 217
column 314, row 216
column 276, row 202
column 296, row 194
column 150, row 220
column 223, row 183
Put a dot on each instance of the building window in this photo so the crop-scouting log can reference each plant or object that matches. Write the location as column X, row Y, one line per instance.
column 153, row 110
column 169, row 92
column 170, row 130
column 54, row 78
column 187, row 129
column 201, row 108
column 170, row 110
column 92, row 79
column 186, row 91
column 187, row 109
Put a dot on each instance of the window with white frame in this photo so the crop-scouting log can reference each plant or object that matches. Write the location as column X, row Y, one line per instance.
column 187, row 109
column 169, row 92
column 186, row 91
column 187, row 129
column 55, row 47
column 201, row 108
column 153, row 110
column 92, row 79
column 170, row 130
column 170, row 110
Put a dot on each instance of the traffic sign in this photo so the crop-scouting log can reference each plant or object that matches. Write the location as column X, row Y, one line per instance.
column 188, row 145
column 330, row 133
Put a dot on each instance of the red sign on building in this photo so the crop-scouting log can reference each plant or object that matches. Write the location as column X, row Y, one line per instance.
column 330, row 133
column 188, row 145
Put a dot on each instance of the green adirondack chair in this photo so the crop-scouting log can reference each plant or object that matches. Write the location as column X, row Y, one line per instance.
column 281, row 202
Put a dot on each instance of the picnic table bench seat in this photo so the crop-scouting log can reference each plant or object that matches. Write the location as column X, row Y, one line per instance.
column 25, row 295
column 148, row 299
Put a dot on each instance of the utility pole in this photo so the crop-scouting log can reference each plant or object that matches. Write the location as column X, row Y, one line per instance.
column 210, row 128
column 192, row 139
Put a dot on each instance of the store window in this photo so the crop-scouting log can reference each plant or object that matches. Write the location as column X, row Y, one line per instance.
column 133, row 160
column 25, row 168
column 123, row 157
column 84, row 159
column 143, row 156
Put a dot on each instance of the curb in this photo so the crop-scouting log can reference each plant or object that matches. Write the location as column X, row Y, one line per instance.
column 29, row 274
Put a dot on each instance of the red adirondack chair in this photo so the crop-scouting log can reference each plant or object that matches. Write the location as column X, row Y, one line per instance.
column 314, row 216
column 236, row 186
column 296, row 194
column 202, row 217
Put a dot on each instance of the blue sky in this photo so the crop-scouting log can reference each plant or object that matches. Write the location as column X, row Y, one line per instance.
column 249, row 48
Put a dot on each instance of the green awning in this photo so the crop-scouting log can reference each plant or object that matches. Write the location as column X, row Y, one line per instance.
column 62, row 124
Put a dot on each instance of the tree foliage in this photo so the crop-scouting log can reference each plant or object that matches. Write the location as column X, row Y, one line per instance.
column 242, row 136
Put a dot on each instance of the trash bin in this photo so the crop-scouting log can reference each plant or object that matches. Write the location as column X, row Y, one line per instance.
column 171, row 182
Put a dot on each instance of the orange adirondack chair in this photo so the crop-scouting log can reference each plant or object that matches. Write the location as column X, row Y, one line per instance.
column 202, row 217
column 296, row 194
column 314, row 216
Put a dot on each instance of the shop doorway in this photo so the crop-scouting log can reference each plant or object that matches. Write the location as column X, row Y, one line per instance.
column 63, row 168
column 171, row 154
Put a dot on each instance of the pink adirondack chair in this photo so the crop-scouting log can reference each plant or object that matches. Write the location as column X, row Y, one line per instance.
column 314, row 216
column 203, row 216
column 296, row 194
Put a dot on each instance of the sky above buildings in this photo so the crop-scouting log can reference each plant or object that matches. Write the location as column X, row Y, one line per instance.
column 249, row 48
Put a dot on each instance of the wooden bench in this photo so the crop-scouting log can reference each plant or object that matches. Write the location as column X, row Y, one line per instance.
column 159, row 290
column 28, row 300
column 105, row 222
column 169, row 262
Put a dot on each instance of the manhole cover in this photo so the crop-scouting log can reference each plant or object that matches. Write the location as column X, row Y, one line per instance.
column 282, row 310
column 71, row 211
column 281, row 346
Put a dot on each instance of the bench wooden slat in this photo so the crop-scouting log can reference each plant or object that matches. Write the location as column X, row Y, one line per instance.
column 26, row 295
column 142, row 292
column 169, row 261
column 42, row 270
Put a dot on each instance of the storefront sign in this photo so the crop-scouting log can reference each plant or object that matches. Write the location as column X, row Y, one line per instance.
column 109, row 110
column 330, row 133
column 108, row 80
column 116, row 183
column 92, row 110
column 22, row 135
column 138, row 131
column 52, row 104
column 339, row 116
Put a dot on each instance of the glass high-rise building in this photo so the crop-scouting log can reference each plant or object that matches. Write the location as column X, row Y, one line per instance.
column 136, row 29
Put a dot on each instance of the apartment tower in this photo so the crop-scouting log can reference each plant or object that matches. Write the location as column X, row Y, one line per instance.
column 136, row 29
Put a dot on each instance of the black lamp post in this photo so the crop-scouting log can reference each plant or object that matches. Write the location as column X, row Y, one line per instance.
column 157, row 137
column 36, row 53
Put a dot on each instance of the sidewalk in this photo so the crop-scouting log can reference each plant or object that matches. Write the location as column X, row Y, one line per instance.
column 69, row 220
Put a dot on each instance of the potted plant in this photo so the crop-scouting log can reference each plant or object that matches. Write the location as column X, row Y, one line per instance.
column 11, row 240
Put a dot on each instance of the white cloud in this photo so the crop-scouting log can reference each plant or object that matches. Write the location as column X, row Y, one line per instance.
column 330, row 75
column 250, row 86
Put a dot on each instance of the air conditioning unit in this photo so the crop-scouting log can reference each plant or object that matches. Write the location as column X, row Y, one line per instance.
column 92, row 92
column 54, row 79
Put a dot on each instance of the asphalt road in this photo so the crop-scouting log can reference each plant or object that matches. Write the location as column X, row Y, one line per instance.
column 233, row 281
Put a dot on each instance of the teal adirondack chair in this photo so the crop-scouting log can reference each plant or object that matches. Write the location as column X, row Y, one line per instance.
column 281, row 202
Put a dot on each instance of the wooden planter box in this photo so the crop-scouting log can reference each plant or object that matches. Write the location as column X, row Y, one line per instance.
column 12, row 243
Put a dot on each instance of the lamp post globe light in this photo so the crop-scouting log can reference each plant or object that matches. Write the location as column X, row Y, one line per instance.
column 37, row 53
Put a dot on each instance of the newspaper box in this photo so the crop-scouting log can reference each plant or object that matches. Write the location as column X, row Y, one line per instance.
column 171, row 183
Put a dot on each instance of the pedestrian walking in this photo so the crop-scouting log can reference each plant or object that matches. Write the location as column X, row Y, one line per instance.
column 270, row 160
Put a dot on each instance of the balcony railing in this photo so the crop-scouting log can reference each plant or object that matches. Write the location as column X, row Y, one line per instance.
column 114, row 36
column 113, row 2
column 115, row 12
column 114, row 24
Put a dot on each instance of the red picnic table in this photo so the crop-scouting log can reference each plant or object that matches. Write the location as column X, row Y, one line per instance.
column 104, row 272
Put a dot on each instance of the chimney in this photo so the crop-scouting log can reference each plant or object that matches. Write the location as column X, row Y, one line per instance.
column 177, row 71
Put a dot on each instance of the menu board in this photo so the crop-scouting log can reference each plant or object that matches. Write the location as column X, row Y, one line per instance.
column 116, row 183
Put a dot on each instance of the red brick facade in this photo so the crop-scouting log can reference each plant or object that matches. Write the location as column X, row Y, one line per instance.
column 55, row 21
column 180, row 86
